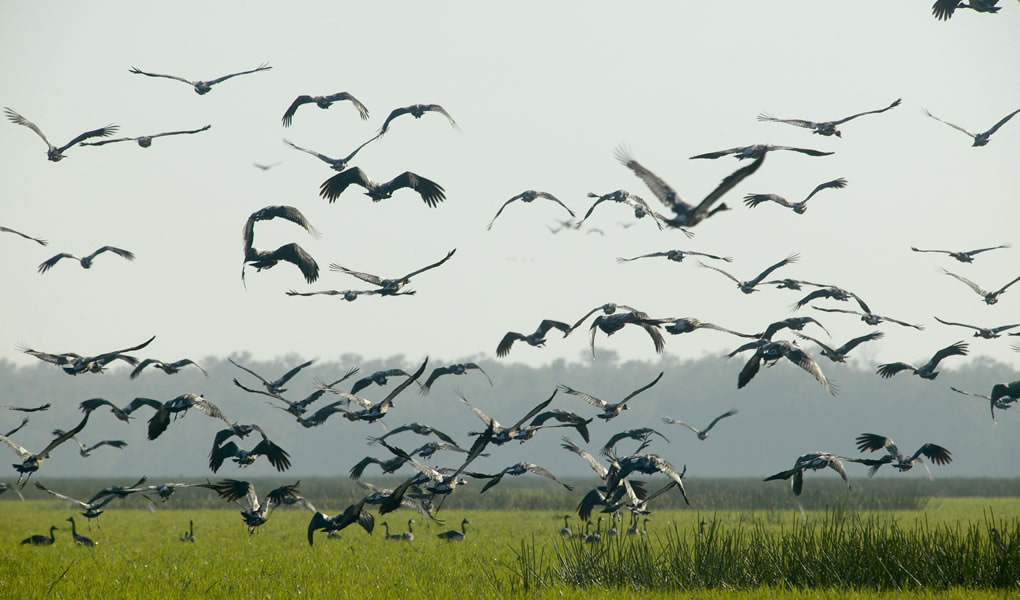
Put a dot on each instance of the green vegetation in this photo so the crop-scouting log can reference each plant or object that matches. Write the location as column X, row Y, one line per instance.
column 760, row 554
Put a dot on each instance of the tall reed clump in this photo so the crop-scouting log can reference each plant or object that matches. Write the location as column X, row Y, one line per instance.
column 840, row 551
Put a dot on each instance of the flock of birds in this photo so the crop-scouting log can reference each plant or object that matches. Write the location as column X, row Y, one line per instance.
column 427, row 488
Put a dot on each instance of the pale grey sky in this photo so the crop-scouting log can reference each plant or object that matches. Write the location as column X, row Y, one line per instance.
column 544, row 93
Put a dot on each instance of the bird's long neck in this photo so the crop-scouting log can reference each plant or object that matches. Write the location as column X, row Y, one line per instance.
column 74, row 530
column 409, row 529
column 463, row 527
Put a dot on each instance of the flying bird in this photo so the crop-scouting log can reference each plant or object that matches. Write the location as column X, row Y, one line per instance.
column 701, row 433
column 758, row 150
column 752, row 200
column 871, row 442
column 170, row 368
column 418, row 428
column 987, row 333
column 826, row 127
column 202, row 87
column 499, row 434
column 1004, row 396
column 926, row 371
column 90, row 510
column 26, row 409
column 676, row 256
column 813, row 461
column 688, row 324
column 322, row 102
column 274, row 387
column 431, row 192
column 609, row 409
column 536, row 339
column 124, row 414
column 179, row 406
column 749, row 286
column 688, row 215
column 610, row 324
column 255, row 512
column 74, row 364
column 989, row 297
column 390, row 287
column 39, row 241
column 349, row 295
column 373, row 412
column 55, row 153
column 354, row 513
column 86, row 451
column 980, row 139
column 337, row 164
column 832, row 292
column 265, row 166
column 292, row 253
column 31, row 461
column 416, row 110
column 146, row 140
column 839, row 354
column 943, row 9
column 454, row 369
column 964, row 257
column 526, row 197
column 277, row 456
column 520, row 468
column 642, row 434
column 772, row 352
column 870, row 318
column 86, row 261
column 641, row 208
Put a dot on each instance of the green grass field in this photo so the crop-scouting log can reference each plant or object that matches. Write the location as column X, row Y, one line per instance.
column 506, row 554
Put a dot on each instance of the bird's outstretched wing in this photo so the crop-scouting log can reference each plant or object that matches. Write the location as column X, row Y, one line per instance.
column 837, row 184
column 1001, row 122
column 17, row 119
column 335, row 185
column 662, row 190
column 953, row 125
column 262, row 67
column 41, row 242
column 788, row 260
column 138, row 71
column 894, row 104
column 431, row 192
column 752, row 200
column 432, row 266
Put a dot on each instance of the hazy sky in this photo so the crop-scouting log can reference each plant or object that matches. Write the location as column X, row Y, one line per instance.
column 544, row 93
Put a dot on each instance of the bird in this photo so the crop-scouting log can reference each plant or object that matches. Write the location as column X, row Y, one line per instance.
column 752, row 200
column 454, row 369
column 355, row 513
column 826, row 127
column 870, row 318
column 337, row 164
column 170, row 368
column 870, row 441
column 831, row 292
column 39, row 408
column 454, row 535
column 256, row 512
column 813, row 461
column 526, row 197
column 444, row 481
column 124, row 414
column 179, row 406
column 599, row 496
column 675, row 256
column 417, row 428
column 431, row 192
column 277, row 456
column 641, row 208
column 163, row 490
column 85, row 261
column 39, row 241
column 609, row 410
column 565, row 417
column 54, row 153
column 202, row 87
column 964, row 256
column 90, row 510
column 41, row 540
column 980, row 139
column 416, row 111
column 265, row 166
column 373, row 412
column 839, row 354
column 757, row 150
column 81, row 540
column 349, row 295
column 610, row 324
column 772, row 352
column 647, row 464
column 387, row 465
column 519, row 469
column 701, row 433
column 565, row 530
column 943, row 9
column 292, row 253
column 146, row 140
column 322, row 102
column 86, row 451
column 989, row 297
column 683, row 325
column 643, row 434
column 189, row 535
column 536, row 339
column 518, row 431
column 926, row 371
column 116, row 491
column 688, row 215
column 74, row 364
column 987, row 333
column 32, row 461
column 750, row 286
column 1004, row 396
column 408, row 536
column 274, row 387
column 389, row 287
column 388, row 535
column 379, row 378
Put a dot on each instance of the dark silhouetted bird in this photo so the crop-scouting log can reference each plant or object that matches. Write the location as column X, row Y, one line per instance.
column 55, row 153
column 871, row 442
column 146, row 140
column 749, row 286
column 292, row 253
column 202, row 87
column 322, row 102
column 86, row 261
column 926, row 371
column 813, row 461
column 609, row 409
column 826, row 127
column 943, row 9
column 534, row 339
column 416, row 110
column 980, row 139
column 757, row 150
column 752, row 200
column 528, row 196
column 431, row 192
column 989, row 297
column 965, row 256
column 701, row 433
column 390, row 287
